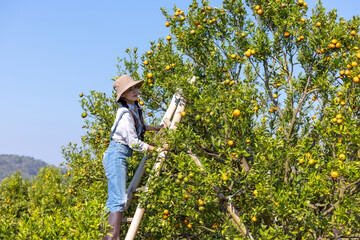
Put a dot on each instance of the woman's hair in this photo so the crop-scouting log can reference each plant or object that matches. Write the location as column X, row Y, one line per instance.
column 123, row 102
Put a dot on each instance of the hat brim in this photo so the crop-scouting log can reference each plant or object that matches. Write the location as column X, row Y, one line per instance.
column 137, row 84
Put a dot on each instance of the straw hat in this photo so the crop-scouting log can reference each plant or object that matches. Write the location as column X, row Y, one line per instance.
column 123, row 83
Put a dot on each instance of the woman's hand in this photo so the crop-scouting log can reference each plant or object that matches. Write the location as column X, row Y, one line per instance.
column 158, row 149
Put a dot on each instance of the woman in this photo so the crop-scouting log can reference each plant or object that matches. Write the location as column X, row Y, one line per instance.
column 127, row 134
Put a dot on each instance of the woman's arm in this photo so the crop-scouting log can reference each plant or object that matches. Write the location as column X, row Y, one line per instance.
column 154, row 128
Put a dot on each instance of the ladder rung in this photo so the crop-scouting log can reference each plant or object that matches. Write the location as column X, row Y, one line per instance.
column 127, row 220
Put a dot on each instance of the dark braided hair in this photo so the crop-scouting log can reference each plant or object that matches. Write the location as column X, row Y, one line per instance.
column 137, row 123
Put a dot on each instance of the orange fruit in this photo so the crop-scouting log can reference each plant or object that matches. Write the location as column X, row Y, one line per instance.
column 167, row 67
column 311, row 161
column 254, row 219
column 149, row 75
column 318, row 24
column 236, row 112
column 355, row 79
column 230, row 142
column 224, row 177
column 260, row 12
column 167, row 24
column 168, row 37
column 334, row 174
column 233, row 55
column 166, row 211
column 248, row 53
column 286, row 34
column 146, row 62
column 183, row 114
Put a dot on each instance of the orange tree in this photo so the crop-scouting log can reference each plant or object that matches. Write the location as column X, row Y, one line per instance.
column 272, row 116
column 268, row 146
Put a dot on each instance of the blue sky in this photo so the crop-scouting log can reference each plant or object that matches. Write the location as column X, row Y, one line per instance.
column 50, row 51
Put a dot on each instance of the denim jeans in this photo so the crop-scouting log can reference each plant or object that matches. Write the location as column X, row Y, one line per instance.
column 116, row 166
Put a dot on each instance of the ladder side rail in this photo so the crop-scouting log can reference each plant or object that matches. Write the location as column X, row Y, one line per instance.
column 171, row 109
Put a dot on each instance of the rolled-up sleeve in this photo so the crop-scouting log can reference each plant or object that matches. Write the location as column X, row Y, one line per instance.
column 127, row 128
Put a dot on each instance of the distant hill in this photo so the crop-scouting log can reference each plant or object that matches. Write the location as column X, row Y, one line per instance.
column 28, row 166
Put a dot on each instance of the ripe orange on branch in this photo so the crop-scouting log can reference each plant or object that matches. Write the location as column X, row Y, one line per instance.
column 236, row 112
